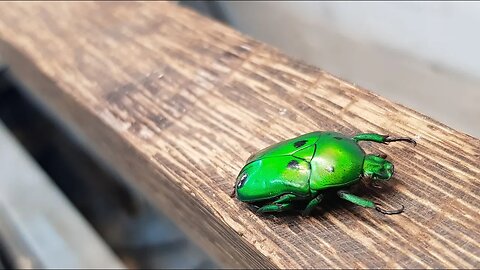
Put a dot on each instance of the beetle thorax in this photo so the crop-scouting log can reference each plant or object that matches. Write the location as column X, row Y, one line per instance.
column 336, row 163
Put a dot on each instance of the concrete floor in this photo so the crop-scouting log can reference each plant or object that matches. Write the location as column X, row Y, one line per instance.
column 38, row 225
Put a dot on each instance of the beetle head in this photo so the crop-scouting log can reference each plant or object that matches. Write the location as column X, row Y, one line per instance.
column 375, row 167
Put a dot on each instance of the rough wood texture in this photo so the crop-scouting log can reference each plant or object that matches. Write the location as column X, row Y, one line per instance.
column 177, row 103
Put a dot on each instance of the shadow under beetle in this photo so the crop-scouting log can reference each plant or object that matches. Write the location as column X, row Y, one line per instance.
column 305, row 167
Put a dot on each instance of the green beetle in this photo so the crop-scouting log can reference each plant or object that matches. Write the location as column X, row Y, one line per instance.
column 305, row 167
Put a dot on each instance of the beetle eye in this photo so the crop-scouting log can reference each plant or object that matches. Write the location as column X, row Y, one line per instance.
column 242, row 180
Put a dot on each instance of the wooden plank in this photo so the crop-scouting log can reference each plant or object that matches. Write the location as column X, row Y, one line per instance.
column 42, row 229
column 177, row 103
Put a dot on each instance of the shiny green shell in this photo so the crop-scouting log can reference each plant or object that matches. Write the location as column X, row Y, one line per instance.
column 301, row 166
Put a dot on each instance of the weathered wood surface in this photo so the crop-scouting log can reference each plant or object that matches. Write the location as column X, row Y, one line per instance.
column 177, row 103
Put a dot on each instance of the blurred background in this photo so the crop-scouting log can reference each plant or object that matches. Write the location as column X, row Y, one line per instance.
column 423, row 55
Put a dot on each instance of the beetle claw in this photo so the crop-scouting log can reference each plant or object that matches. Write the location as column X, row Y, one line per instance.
column 401, row 139
column 232, row 195
column 388, row 212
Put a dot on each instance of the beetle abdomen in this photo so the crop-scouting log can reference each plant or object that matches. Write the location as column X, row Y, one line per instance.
column 271, row 177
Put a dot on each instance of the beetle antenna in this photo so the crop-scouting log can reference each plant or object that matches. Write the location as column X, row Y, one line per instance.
column 388, row 212
column 375, row 184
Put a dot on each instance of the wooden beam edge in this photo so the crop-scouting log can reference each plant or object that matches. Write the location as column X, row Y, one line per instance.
column 107, row 145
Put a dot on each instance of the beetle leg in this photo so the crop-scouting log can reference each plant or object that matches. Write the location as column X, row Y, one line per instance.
column 373, row 137
column 281, row 204
column 366, row 203
column 355, row 199
column 312, row 204
column 274, row 207
column 285, row 198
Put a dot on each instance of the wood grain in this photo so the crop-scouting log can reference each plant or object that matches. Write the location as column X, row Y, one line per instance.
column 177, row 103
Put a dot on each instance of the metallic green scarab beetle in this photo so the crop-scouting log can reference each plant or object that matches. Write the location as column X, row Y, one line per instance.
column 305, row 167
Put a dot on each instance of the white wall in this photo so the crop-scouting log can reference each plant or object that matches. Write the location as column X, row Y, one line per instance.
column 425, row 55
